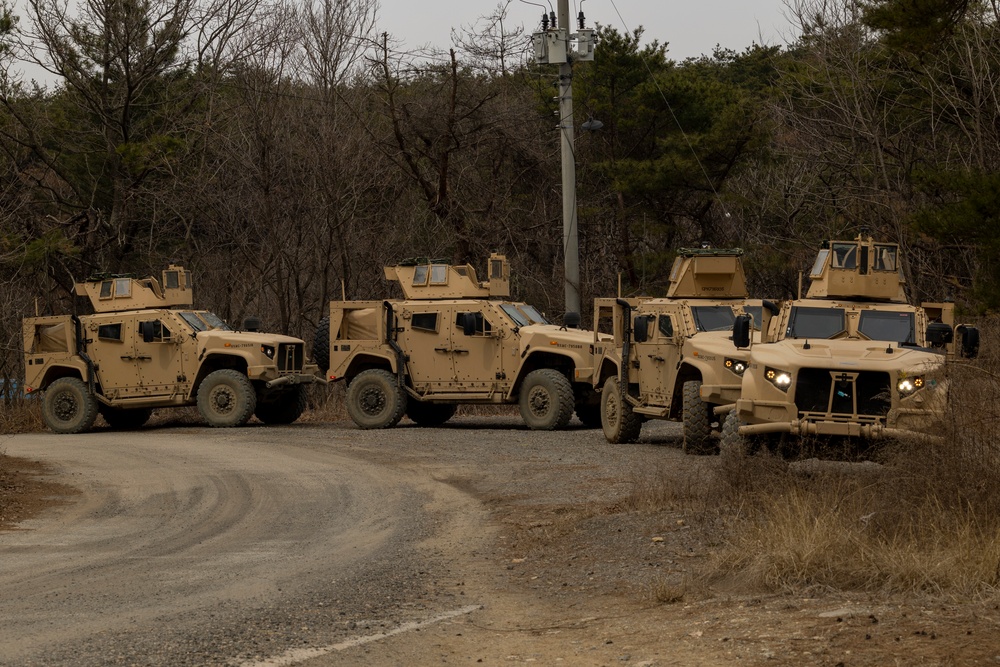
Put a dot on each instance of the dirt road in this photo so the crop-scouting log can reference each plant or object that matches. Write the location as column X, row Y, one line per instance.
column 480, row 543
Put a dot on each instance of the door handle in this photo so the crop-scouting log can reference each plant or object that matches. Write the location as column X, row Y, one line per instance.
column 655, row 357
column 459, row 350
column 440, row 349
column 144, row 357
column 126, row 357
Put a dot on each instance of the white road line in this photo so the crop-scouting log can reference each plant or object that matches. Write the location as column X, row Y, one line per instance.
column 298, row 655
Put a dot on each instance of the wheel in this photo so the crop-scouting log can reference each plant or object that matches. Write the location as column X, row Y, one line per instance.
column 588, row 406
column 321, row 345
column 125, row 419
column 68, row 406
column 281, row 406
column 375, row 399
column 430, row 414
column 226, row 398
column 732, row 445
column 697, row 417
column 620, row 424
column 546, row 400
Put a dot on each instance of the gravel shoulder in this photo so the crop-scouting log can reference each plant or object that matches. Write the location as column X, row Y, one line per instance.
column 539, row 543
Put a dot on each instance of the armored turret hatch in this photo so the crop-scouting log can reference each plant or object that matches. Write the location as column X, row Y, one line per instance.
column 860, row 269
column 424, row 278
column 115, row 293
column 708, row 273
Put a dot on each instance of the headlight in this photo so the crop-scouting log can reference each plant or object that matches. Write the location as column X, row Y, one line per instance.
column 268, row 351
column 737, row 366
column 780, row 379
column 909, row 384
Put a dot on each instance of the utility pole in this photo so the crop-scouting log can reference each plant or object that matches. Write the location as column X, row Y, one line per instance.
column 554, row 45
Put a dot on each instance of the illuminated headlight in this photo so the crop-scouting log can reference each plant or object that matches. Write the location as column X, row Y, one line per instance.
column 908, row 385
column 268, row 351
column 736, row 365
column 780, row 379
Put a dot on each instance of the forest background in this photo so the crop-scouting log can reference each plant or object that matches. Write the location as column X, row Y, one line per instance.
column 283, row 149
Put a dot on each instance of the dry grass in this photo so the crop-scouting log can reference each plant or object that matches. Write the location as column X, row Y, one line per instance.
column 926, row 520
column 20, row 416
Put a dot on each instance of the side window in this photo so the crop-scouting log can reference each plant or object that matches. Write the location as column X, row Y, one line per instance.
column 481, row 324
column 420, row 275
column 110, row 332
column 106, row 289
column 123, row 287
column 666, row 326
column 425, row 322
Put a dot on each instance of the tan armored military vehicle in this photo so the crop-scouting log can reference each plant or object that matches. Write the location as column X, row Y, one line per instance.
column 450, row 340
column 679, row 358
column 145, row 347
column 854, row 358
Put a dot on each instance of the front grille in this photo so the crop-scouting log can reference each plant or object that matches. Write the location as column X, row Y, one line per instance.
column 290, row 356
column 820, row 390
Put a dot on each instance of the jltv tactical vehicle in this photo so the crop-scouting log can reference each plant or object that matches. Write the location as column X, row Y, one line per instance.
column 455, row 340
column 672, row 358
column 145, row 347
column 853, row 359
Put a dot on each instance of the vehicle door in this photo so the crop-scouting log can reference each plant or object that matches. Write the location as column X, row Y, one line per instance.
column 657, row 355
column 425, row 335
column 158, row 354
column 477, row 349
column 111, row 346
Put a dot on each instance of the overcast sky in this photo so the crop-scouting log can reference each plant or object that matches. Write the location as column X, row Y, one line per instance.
column 690, row 27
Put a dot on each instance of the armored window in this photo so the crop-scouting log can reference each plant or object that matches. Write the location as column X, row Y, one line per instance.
column 482, row 326
column 675, row 270
column 520, row 319
column 496, row 269
column 817, row 269
column 666, row 326
column 713, row 318
column 106, row 289
column 420, row 275
column 439, row 274
column 845, row 256
column 123, row 287
column 886, row 258
column 815, row 322
column 425, row 322
column 888, row 326
column 194, row 321
column 110, row 332
column 533, row 314
column 173, row 280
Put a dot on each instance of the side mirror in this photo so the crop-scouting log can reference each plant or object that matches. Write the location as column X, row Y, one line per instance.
column 149, row 330
column 742, row 330
column 939, row 334
column 640, row 328
column 571, row 320
column 969, row 337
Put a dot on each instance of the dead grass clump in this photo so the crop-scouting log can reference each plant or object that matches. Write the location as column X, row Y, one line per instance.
column 21, row 415
column 664, row 489
column 927, row 519
column 325, row 403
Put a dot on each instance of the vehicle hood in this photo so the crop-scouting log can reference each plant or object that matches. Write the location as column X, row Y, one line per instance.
column 861, row 354
column 242, row 338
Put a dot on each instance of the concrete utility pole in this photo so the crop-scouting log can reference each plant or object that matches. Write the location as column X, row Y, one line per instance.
column 555, row 45
column 571, row 243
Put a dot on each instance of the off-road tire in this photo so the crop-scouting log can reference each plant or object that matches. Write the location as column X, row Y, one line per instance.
column 588, row 406
column 68, row 407
column 546, row 400
column 375, row 399
column 732, row 445
column 226, row 398
column 620, row 424
column 697, row 420
column 125, row 419
column 429, row 414
column 321, row 345
column 284, row 407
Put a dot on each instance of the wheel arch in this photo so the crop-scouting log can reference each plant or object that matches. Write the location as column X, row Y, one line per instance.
column 218, row 362
column 688, row 372
column 365, row 362
column 538, row 360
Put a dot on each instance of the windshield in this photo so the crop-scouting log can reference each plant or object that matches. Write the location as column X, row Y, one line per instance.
column 533, row 314
column 194, row 322
column 520, row 319
column 757, row 312
column 214, row 321
column 713, row 318
column 815, row 322
column 887, row 326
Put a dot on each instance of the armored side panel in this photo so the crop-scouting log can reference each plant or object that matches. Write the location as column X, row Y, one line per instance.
column 860, row 269
column 708, row 273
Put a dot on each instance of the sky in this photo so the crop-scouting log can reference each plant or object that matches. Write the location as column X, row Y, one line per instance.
column 690, row 27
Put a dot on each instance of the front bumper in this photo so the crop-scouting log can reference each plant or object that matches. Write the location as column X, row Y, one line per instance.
column 777, row 417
